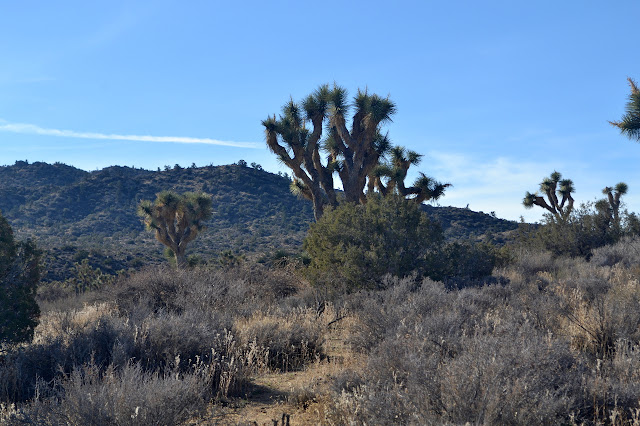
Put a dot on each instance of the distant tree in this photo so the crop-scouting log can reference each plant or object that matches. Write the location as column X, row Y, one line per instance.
column 228, row 259
column 553, row 187
column 629, row 124
column 578, row 231
column 256, row 166
column 586, row 228
column 296, row 138
column 176, row 219
column 19, row 277
column 242, row 163
column 613, row 200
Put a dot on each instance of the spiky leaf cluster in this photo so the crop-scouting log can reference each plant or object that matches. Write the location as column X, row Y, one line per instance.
column 389, row 177
column 629, row 124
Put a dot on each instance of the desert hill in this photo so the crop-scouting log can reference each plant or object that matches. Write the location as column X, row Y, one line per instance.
column 75, row 214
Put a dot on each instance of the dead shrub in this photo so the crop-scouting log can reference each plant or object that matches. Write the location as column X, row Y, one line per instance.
column 625, row 252
column 121, row 396
column 102, row 338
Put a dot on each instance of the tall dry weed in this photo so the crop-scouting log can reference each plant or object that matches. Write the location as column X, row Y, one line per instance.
column 289, row 340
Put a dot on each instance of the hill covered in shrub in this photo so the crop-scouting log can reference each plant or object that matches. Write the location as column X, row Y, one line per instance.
column 74, row 214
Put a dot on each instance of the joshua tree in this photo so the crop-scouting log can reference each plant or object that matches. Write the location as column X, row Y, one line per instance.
column 553, row 187
column 629, row 125
column 613, row 197
column 176, row 219
column 295, row 137
column 395, row 172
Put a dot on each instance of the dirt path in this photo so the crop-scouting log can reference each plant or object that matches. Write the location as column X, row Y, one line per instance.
column 297, row 397
column 271, row 397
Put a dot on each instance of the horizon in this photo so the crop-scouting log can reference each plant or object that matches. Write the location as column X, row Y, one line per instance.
column 248, row 166
column 495, row 95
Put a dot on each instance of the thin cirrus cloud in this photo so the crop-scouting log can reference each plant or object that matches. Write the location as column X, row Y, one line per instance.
column 491, row 184
column 32, row 129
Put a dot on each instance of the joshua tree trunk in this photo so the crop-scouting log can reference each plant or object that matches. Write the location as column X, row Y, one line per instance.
column 318, row 207
column 181, row 259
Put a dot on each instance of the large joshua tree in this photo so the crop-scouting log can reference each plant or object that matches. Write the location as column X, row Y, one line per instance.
column 559, row 200
column 176, row 219
column 629, row 125
column 296, row 137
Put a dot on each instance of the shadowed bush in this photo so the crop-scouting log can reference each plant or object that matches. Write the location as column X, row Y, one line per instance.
column 168, row 322
column 235, row 291
column 123, row 396
column 19, row 277
column 157, row 343
column 625, row 252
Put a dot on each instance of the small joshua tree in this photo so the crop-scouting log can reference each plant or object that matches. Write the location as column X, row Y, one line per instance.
column 553, row 187
column 629, row 125
column 176, row 219
column 613, row 197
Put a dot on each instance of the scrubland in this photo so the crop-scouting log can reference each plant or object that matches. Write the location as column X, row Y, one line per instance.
column 546, row 340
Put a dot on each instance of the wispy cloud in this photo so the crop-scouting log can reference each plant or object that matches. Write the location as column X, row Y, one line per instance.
column 489, row 184
column 499, row 184
column 32, row 129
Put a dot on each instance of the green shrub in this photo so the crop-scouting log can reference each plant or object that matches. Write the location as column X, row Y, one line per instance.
column 587, row 228
column 464, row 260
column 19, row 276
column 354, row 246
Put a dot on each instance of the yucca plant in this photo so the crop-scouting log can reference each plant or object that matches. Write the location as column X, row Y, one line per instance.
column 552, row 187
column 176, row 219
column 354, row 152
column 629, row 125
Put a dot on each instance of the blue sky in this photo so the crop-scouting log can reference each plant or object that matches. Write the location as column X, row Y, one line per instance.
column 495, row 94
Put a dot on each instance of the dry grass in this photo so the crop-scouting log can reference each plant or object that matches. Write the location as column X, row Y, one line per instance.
column 63, row 324
column 559, row 343
column 289, row 339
